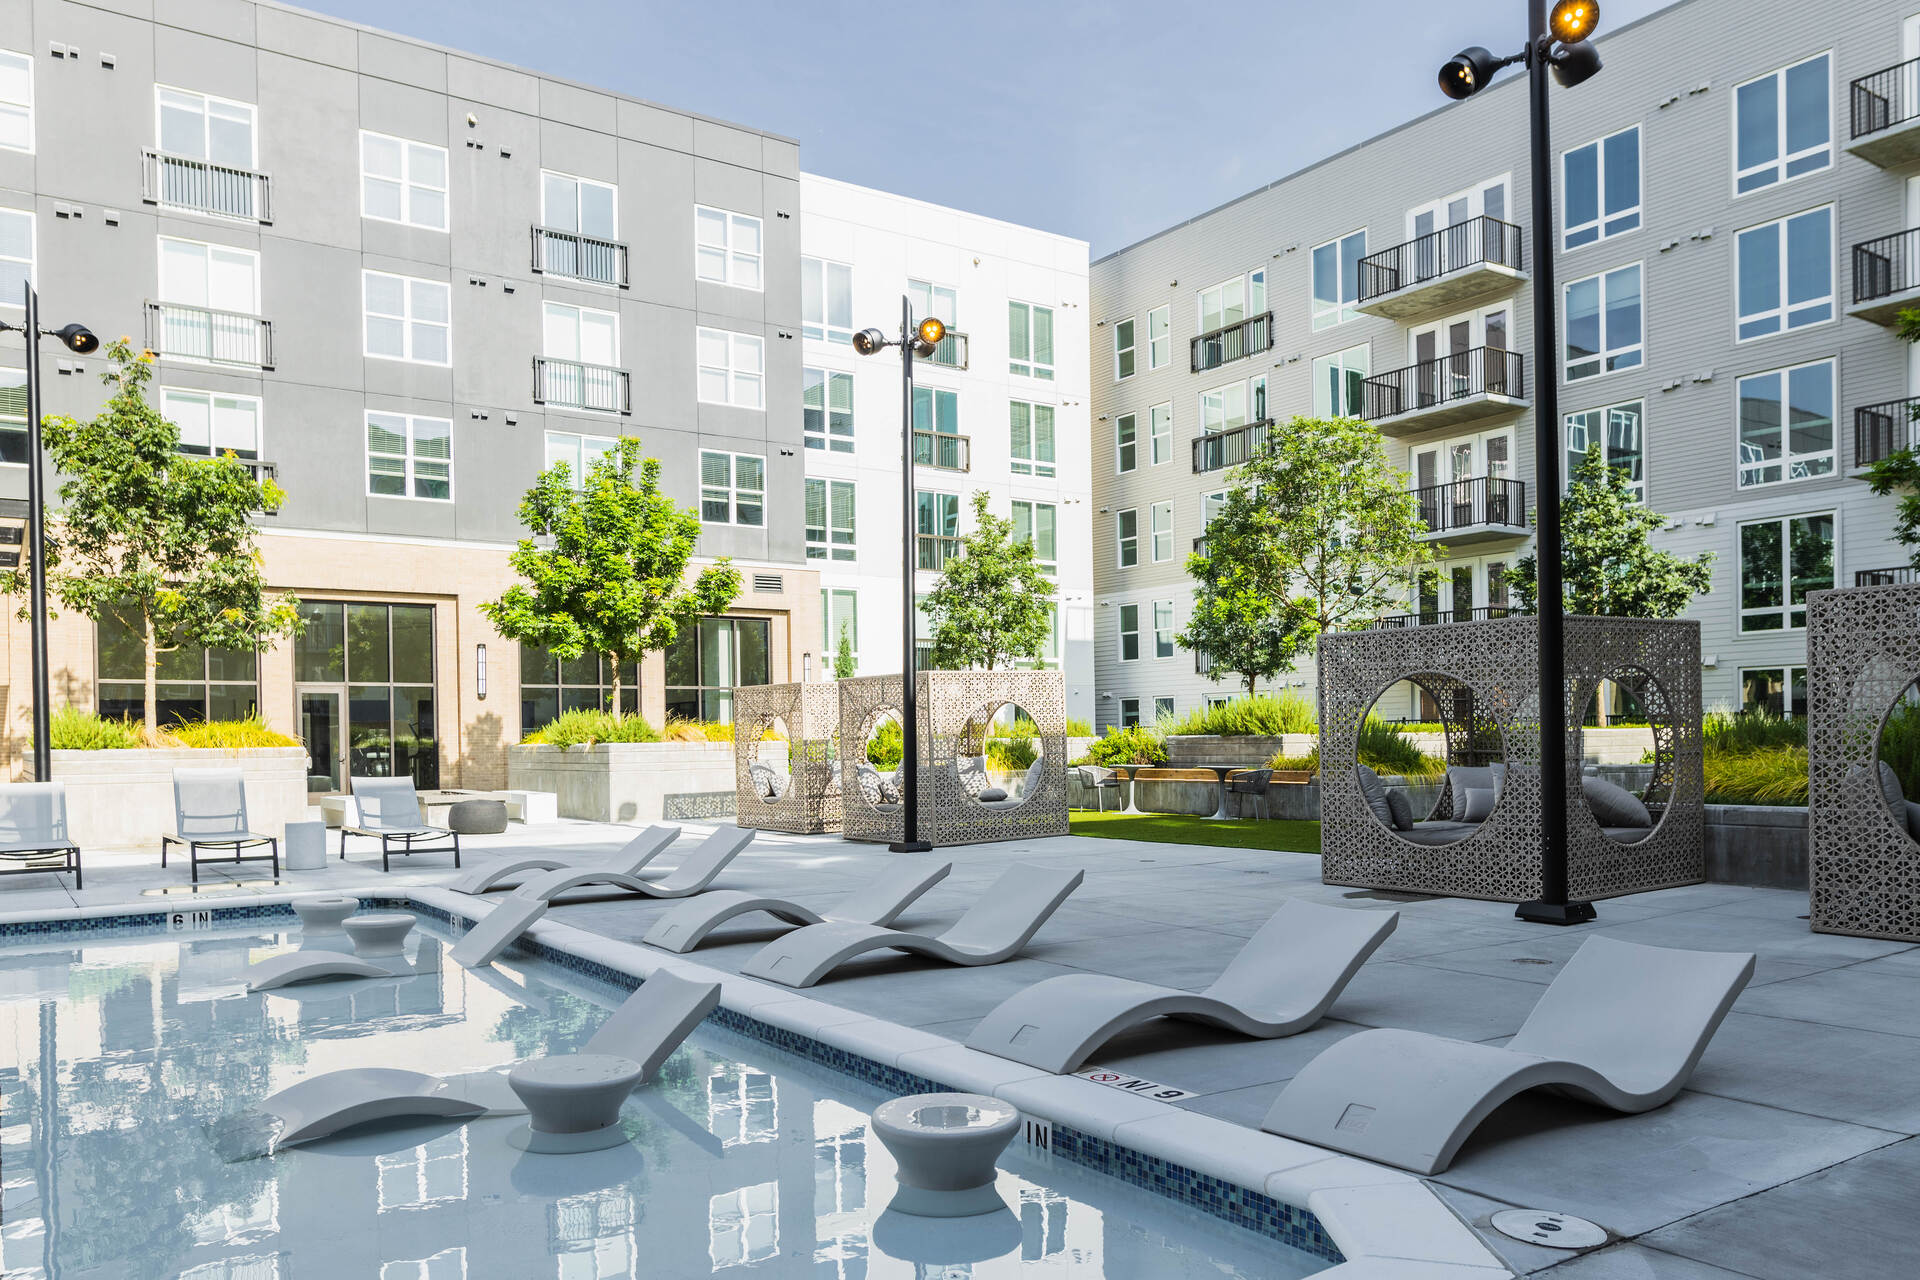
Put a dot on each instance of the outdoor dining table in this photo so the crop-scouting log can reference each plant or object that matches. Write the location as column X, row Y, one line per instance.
column 1133, row 771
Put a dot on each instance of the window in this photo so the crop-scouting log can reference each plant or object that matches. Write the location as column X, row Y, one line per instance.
column 937, row 526
column 194, row 684
column 549, row 686
column 1162, row 633
column 1786, row 274
column 1160, row 429
column 1123, row 349
column 733, row 488
column 826, row 409
column 1160, row 516
column 16, row 101
column 1126, row 531
column 1338, row 381
column 1774, row 691
column 210, row 298
column 726, row 247
column 1126, row 431
column 1234, row 405
column 403, row 181
column 830, row 520
column 579, row 452
column 1162, row 709
column 933, row 300
column 1232, row 301
column 1782, row 127
column 1129, row 633
column 581, row 369
column 13, row 417
column 1604, row 323
column 409, row 457
column 1212, row 504
column 1618, row 430
column 1030, row 340
column 826, row 300
column 1780, row 562
column 202, row 142
column 1159, row 338
column 1601, row 182
column 839, row 616
column 705, row 663
column 213, row 422
column 408, row 318
column 1037, row 523
column 1336, row 279
column 731, row 368
column 1786, row 424
column 584, row 217
column 1129, row 713
column 384, row 655
column 1031, row 429
column 16, row 255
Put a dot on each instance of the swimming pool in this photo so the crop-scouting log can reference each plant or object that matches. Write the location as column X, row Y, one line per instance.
column 116, row 1052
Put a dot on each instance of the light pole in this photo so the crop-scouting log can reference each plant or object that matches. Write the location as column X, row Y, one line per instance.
column 1558, row 41
column 79, row 339
column 914, row 340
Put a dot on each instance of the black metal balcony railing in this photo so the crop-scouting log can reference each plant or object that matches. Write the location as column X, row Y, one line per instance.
column 1882, row 429
column 934, row 550
column 217, row 337
column 578, row 257
column 1884, row 267
column 1460, row 375
column 1481, row 500
column 573, row 385
column 1436, row 616
column 1229, row 448
column 943, row 451
column 256, row 468
column 952, row 351
column 181, row 182
column 1438, row 253
column 1898, row 576
column 1886, row 98
column 1233, row 342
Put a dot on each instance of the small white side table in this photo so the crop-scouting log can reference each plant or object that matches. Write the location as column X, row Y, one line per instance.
column 324, row 912
column 944, row 1146
column 531, row 808
column 573, row 1101
column 306, row 846
column 378, row 933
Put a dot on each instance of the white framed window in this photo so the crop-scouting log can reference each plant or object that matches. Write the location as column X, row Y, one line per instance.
column 726, row 247
column 579, row 452
column 213, row 423
column 1489, row 200
column 1339, row 381
column 1163, row 637
column 16, row 101
column 1030, row 340
column 1160, row 521
column 408, row 318
column 1783, row 124
column 580, row 335
column 826, row 300
column 732, row 368
column 16, row 256
column 1038, row 523
column 1774, row 691
column 1232, row 301
column 212, row 276
column 830, row 510
column 1130, row 638
column 1780, row 562
column 936, row 300
column 839, row 615
column 1126, row 536
column 1160, row 433
column 733, row 488
column 1030, row 428
column 1129, row 713
column 409, row 456
column 826, row 409
column 13, row 417
column 1600, row 185
column 198, row 126
column 1162, row 709
column 1211, row 505
column 403, row 181
column 1605, row 323
column 1126, row 443
column 1336, row 279
column 1786, row 424
column 584, row 216
column 1234, row 405
column 1784, row 274
column 1217, row 700
column 1159, row 337
column 1620, row 431
column 1124, row 352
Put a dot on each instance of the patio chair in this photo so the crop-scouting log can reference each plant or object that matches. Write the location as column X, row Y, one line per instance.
column 703, row 863
column 1254, row 782
column 879, row 902
column 1099, row 780
column 1281, row 982
column 1622, row 1026
column 210, row 812
column 633, row 855
column 390, row 813
column 33, row 831
column 991, row 930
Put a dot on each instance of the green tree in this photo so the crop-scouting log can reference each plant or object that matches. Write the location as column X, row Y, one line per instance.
column 993, row 604
column 1317, row 535
column 1898, row 471
column 160, row 539
column 843, row 661
column 614, row 579
column 1608, row 568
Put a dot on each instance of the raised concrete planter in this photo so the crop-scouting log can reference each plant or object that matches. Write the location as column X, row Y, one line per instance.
column 1245, row 751
column 1615, row 746
column 634, row 782
column 1757, row 844
column 124, row 799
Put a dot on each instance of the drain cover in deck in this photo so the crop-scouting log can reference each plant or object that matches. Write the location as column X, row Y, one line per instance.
column 1552, row 1230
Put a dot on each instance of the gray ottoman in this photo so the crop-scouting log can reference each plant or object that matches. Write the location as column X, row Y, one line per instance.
column 477, row 817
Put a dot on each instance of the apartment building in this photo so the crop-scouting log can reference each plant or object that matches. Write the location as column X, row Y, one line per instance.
column 1001, row 408
column 1733, row 209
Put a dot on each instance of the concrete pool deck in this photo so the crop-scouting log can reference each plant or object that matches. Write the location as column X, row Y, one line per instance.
column 1791, row 1154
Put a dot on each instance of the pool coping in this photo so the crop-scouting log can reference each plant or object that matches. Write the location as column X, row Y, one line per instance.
column 1383, row 1222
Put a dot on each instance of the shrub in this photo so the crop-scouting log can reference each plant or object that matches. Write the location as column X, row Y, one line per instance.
column 1308, row 763
column 585, row 726
column 230, row 735
column 1078, row 728
column 77, row 730
column 1138, row 745
column 1750, row 731
column 1384, row 747
column 1770, row 775
column 886, row 749
column 1900, row 745
column 699, row 731
column 1261, row 715
column 1012, row 754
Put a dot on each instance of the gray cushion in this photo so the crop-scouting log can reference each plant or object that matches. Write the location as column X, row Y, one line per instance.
column 1891, row 789
column 1614, row 806
column 869, row 782
column 1401, row 808
column 1499, row 772
column 1035, row 774
column 990, row 794
column 1464, row 776
column 1374, row 792
column 1913, row 819
column 1436, row 833
column 973, row 774
column 766, row 783
column 1475, row 805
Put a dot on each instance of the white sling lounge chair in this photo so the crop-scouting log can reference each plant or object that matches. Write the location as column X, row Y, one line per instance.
column 1281, row 983
column 210, row 812
column 696, row 871
column 992, row 929
column 881, row 902
column 33, row 830
column 390, row 813
column 634, row 855
column 1621, row 1026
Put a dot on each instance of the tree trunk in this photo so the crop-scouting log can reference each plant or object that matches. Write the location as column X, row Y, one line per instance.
column 615, row 708
column 150, row 704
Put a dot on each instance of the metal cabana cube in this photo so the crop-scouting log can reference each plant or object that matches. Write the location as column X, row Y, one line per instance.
column 786, row 745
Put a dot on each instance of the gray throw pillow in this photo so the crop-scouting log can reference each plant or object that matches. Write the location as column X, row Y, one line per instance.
column 973, row 775
column 1375, row 793
column 869, row 783
column 1401, row 808
column 1476, row 805
column 766, row 783
column 1614, row 806
column 990, row 795
column 1913, row 819
column 1890, row 788
column 1499, row 772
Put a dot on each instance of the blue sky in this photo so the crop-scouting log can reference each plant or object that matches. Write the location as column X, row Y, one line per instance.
column 1104, row 120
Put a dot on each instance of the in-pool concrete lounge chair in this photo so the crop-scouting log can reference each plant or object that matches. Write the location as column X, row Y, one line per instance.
column 390, row 813
column 992, row 929
column 497, row 930
column 1622, row 1026
column 634, row 855
column 210, row 812
column 880, row 902
column 696, row 871
column 650, row 1024
column 1281, row 983
column 33, row 830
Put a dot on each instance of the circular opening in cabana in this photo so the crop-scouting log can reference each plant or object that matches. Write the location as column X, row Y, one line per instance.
column 770, row 764
column 1897, row 756
column 999, row 756
column 877, row 766
column 1430, row 761
column 1627, row 732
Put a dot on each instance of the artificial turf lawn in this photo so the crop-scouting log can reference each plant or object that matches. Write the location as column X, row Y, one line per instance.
column 1295, row 836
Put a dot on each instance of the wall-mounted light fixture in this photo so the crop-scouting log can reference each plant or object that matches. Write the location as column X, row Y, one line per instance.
column 480, row 671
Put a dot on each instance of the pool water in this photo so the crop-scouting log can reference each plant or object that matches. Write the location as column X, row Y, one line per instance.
column 116, row 1054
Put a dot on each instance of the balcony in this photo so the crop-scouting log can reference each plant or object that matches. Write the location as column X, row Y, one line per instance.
column 568, row 384
column 1886, row 277
column 1899, row 576
column 1886, row 116
column 1437, row 616
column 578, row 257
column 1464, row 386
column 200, row 186
column 934, row 550
column 1233, row 342
column 1882, row 429
column 1451, row 269
column 951, row 353
column 213, row 337
column 942, row 451
column 1220, row 449
column 1479, row 509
